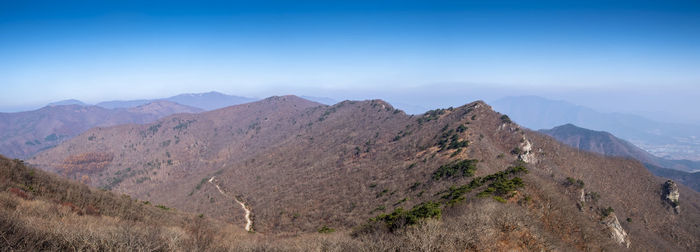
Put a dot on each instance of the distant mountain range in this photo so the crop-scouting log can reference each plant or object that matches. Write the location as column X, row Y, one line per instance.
column 607, row 144
column 667, row 140
column 321, row 100
column 68, row 102
column 205, row 101
column 23, row 134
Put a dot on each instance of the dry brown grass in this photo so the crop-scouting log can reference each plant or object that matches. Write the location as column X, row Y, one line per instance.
column 46, row 221
column 42, row 223
column 39, row 225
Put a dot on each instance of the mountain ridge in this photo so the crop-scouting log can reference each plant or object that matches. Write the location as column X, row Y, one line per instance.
column 607, row 144
column 25, row 133
column 668, row 140
column 301, row 166
column 206, row 101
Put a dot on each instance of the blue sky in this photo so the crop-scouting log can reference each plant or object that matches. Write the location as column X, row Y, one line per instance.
column 403, row 50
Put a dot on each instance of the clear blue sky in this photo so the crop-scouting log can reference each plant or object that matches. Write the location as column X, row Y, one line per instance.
column 102, row 50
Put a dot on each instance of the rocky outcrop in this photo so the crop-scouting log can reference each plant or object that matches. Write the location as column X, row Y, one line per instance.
column 616, row 231
column 671, row 195
column 526, row 154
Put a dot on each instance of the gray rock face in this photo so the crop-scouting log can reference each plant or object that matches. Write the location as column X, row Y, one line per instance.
column 527, row 156
column 616, row 231
column 672, row 195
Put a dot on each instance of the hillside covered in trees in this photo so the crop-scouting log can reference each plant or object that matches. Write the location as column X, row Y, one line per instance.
column 364, row 174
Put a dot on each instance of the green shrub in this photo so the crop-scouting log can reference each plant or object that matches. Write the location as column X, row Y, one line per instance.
column 503, row 187
column 456, row 194
column 675, row 203
column 52, row 137
column 525, row 201
column 455, row 143
column 464, row 168
column 432, row 115
column 573, row 182
column 506, row 119
column 142, row 179
column 400, row 201
column 483, row 194
column 605, row 212
column 201, row 182
column 380, row 194
column 326, row 230
column 450, row 140
column 594, row 196
column 379, row 208
column 326, row 114
column 400, row 217
column 499, row 199
column 182, row 125
column 445, row 128
column 516, row 151
column 500, row 186
column 152, row 130
column 518, row 167
column 461, row 128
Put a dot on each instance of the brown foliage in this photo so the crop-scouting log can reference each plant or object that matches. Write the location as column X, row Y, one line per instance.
column 87, row 162
column 90, row 210
column 300, row 166
column 19, row 192
column 72, row 207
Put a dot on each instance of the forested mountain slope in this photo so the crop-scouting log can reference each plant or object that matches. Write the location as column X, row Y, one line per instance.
column 303, row 167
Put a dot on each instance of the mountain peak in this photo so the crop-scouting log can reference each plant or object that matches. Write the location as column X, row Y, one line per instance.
column 287, row 99
column 164, row 107
column 598, row 141
column 210, row 93
column 210, row 100
column 570, row 126
column 68, row 102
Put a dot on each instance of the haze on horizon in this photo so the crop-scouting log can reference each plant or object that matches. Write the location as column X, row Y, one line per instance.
column 630, row 56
